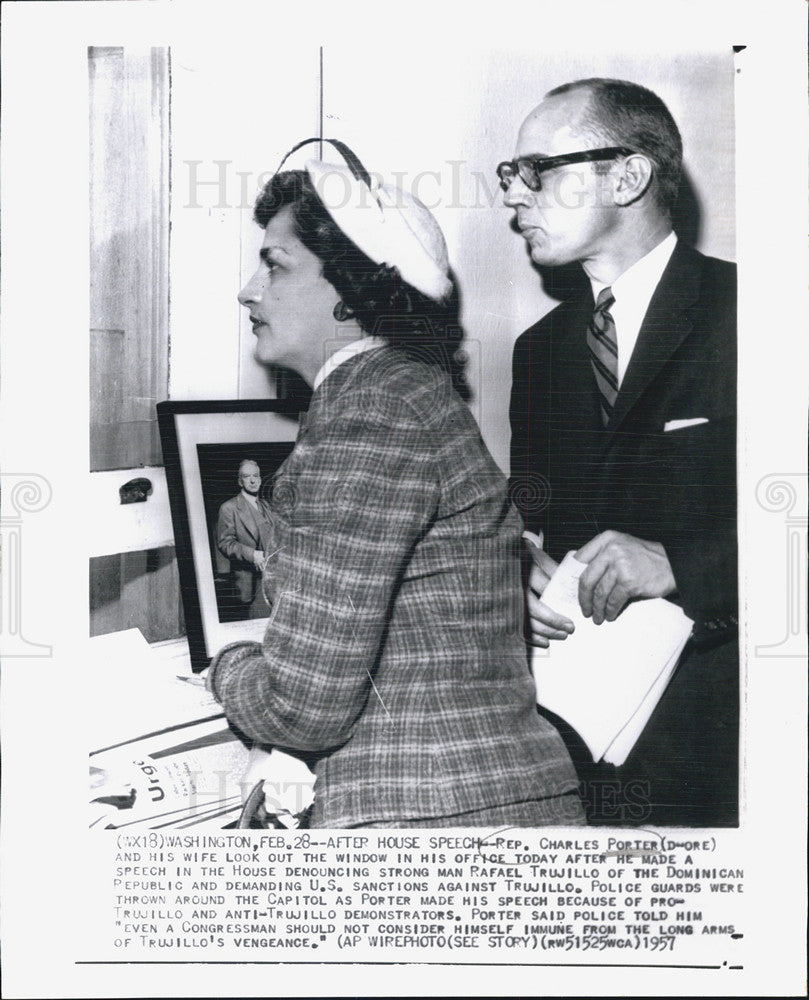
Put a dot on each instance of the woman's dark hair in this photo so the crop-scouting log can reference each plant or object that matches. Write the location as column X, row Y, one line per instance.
column 383, row 304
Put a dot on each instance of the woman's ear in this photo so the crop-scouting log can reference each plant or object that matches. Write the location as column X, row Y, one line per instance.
column 341, row 312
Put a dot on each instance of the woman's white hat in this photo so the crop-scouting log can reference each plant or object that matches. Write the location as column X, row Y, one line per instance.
column 388, row 224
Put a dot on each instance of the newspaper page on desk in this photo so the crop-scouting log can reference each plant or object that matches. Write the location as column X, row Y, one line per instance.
column 436, row 92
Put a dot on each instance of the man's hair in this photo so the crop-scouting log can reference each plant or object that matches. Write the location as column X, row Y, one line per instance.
column 383, row 304
column 247, row 461
column 620, row 113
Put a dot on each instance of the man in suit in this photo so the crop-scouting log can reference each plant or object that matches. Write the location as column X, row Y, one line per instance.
column 623, row 417
column 242, row 531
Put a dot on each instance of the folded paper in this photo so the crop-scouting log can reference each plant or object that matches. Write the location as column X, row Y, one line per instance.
column 605, row 680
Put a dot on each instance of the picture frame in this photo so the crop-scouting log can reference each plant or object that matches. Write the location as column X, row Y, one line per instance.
column 204, row 443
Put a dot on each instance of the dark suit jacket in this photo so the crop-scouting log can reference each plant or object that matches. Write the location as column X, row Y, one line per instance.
column 394, row 652
column 573, row 478
column 240, row 530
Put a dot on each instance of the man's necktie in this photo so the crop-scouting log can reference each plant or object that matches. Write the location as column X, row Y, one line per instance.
column 603, row 345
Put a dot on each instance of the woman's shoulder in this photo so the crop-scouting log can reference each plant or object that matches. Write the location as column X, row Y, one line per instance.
column 394, row 374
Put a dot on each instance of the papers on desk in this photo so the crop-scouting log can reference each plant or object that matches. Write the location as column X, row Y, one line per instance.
column 189, row 777
column 162, row 755
column 161, row 752
column 605, row 680
column 131, row 692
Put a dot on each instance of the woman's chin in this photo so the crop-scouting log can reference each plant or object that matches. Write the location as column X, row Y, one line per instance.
column 265, row 355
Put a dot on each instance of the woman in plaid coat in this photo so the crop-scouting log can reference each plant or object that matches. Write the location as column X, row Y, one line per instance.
column 394, row 658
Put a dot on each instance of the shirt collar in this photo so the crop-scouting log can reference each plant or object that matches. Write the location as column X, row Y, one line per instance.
column 639, row 281
column 345, row 353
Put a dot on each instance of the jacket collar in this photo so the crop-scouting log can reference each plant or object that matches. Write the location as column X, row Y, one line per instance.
column 344, row 354
column 339, row 380
column 247, row 511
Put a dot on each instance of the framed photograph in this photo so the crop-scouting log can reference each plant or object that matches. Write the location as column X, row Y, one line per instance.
column 220, row 458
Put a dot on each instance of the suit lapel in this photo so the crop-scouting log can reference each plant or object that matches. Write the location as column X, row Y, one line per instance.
column 248, row 516
column 666, row 325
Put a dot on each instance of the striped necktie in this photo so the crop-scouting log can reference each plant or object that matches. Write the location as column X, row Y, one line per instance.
column 603, row 345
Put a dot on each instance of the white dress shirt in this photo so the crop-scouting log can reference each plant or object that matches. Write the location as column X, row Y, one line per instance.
column 633, row 292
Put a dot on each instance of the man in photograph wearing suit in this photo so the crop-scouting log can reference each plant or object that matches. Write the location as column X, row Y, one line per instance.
column 623, row 416
column 243, row 530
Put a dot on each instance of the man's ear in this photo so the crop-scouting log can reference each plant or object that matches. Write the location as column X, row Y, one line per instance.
column 634, row 175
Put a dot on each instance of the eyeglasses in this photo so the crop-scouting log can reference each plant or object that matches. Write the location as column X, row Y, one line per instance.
column 530, row 168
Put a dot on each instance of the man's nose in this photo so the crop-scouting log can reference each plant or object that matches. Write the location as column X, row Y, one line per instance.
column 252, row 291
column 517, row 193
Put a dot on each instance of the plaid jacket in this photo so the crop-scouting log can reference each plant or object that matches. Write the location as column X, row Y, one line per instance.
column 394, row 651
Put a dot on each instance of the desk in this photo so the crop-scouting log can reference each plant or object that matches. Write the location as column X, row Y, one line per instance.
column 161, row 753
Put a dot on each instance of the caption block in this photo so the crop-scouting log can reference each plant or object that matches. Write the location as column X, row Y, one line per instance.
column 506, row 897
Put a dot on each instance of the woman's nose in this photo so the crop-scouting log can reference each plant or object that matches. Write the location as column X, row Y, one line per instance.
column 252, row 291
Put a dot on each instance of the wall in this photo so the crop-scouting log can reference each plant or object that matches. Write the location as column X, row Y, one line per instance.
column 442, row 117
column 133, row 571
column 234, row 113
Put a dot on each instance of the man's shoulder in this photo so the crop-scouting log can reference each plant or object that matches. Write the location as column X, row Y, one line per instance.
column 720, row 278
column 717, row 276
column 706, row 287
column 705, row 260
column 229, row 505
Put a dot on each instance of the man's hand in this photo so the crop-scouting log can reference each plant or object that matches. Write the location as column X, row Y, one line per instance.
column 545, row 623
column 619, row 568
column 258, row 559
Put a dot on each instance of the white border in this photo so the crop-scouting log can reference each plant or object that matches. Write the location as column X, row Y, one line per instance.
column 44, row 410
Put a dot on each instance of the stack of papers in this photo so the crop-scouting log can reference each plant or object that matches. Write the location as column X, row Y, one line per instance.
column 188, row 777
column 133, row 693
column 605, row 680
column 161, row 752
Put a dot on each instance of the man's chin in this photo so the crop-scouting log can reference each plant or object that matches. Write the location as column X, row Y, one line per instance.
column 543, row 256
column 540, row 255
column 537, row 246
